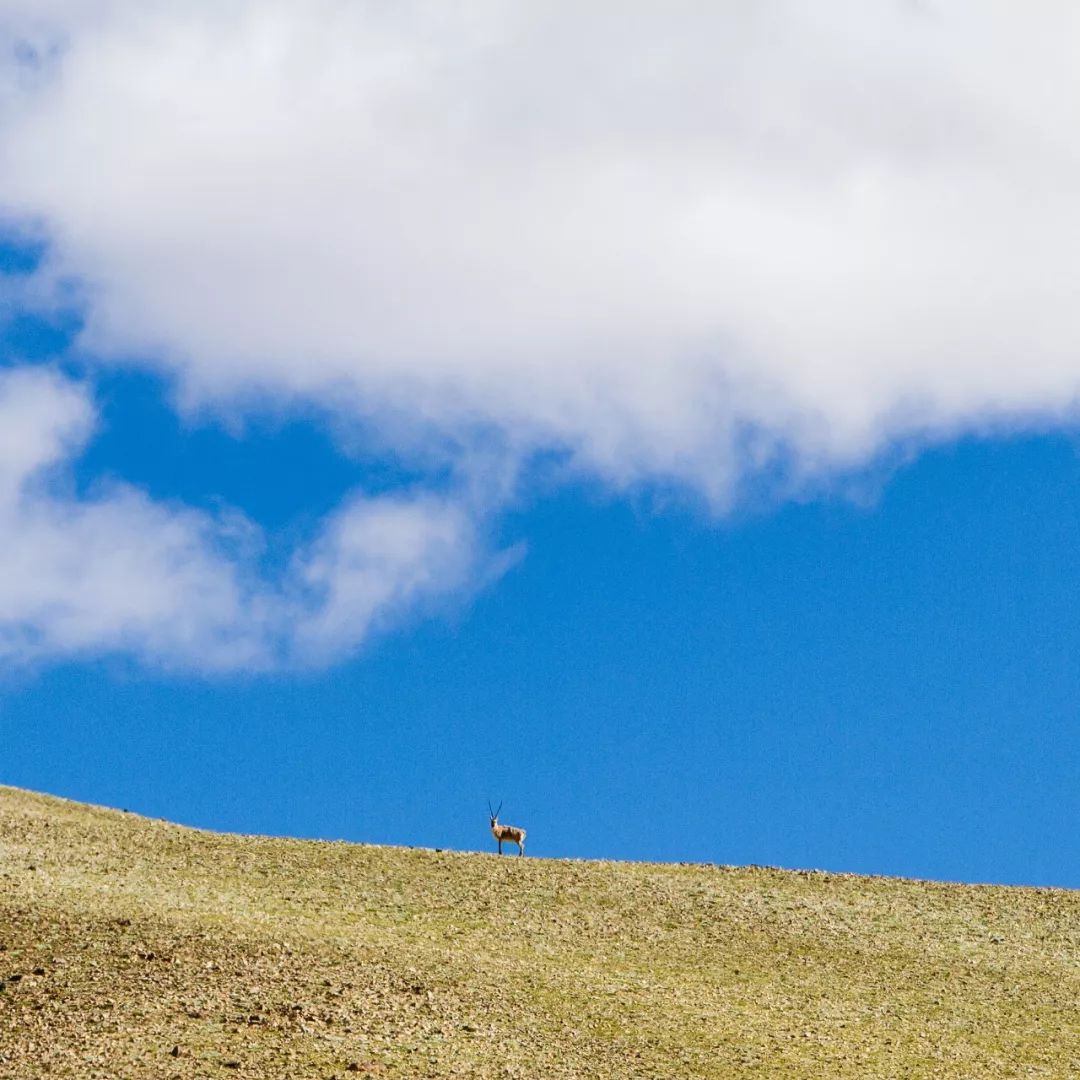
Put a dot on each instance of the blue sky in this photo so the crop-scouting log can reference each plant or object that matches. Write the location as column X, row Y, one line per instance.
column 885, row 686
column 385, row 427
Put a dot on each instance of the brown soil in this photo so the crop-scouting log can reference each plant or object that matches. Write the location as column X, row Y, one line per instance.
column 135, row 948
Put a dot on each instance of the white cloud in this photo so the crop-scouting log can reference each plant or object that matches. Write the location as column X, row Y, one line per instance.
column 381, row 557
column 679, row 242
column 116, row 572
column 667, row 237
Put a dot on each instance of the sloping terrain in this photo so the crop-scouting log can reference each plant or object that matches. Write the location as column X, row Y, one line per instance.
column 134, row 948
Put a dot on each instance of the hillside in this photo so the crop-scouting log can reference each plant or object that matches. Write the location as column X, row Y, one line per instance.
column 135, row 948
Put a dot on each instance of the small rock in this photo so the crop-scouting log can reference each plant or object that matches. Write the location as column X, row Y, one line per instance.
column 231, row 1064
column 175, row 1051
column 39, row 971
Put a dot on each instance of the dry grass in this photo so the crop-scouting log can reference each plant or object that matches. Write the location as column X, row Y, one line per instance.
column 135, row 948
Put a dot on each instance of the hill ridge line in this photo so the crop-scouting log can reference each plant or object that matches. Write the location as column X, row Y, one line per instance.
column 124, row 814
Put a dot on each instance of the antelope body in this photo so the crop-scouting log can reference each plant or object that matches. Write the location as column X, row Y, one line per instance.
column 510, row 833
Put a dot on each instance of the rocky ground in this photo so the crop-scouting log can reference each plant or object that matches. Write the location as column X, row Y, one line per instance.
column 132, row 948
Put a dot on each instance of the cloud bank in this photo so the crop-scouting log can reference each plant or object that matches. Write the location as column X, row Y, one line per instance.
column 691, row 243
column 113, row 571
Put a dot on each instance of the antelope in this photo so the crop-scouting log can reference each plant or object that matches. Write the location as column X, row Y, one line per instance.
column 510, row 833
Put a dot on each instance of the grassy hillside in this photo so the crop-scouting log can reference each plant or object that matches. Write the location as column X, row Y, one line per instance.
column 135, row 948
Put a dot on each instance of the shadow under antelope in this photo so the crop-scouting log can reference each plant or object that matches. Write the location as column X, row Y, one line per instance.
column 510, row 833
